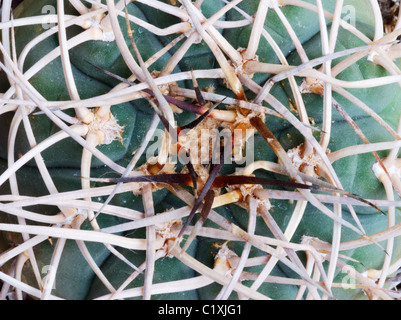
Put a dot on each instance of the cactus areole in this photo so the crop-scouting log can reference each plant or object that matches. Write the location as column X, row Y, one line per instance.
column 199, row 150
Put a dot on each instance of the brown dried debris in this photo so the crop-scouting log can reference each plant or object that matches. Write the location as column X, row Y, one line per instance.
column 390, row 10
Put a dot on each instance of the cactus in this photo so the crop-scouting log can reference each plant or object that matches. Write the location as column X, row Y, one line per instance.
column 199, row 149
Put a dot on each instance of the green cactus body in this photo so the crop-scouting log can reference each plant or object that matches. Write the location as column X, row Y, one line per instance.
column 64, row 159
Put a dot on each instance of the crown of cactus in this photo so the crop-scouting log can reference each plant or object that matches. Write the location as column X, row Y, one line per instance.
column 200, row 149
